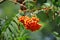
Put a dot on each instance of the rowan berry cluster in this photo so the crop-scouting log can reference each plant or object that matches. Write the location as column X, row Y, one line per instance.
column 30, row 23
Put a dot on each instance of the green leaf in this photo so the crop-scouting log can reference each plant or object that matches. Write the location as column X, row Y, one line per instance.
column 9, row 9
column 42, row 16
column 41, row 2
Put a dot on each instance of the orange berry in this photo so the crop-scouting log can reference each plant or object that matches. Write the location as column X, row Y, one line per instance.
column 21, row 19
column 35, row 19
column 30, row 23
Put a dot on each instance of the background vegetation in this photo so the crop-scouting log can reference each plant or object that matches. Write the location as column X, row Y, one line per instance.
column 48, row 11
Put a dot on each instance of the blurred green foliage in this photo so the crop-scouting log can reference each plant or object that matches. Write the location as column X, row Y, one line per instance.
column 11, row 29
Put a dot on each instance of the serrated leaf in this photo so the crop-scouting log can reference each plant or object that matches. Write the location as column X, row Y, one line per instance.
column 13, row 31
column 14, row 25
column 15, row 19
